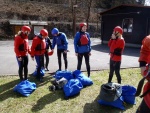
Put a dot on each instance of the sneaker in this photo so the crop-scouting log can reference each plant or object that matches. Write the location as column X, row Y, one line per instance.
column 46, row 69
column 58, row 70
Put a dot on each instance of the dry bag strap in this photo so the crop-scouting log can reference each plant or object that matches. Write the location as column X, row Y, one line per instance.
column 145, row 93
column 140, row 86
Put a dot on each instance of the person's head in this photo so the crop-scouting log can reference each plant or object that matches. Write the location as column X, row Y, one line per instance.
column 44, row 33
column 83, row 27
column 118, row 31
column 55, row 32
column 26, row 30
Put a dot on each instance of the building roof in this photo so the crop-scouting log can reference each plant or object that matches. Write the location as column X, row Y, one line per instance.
column 124, row 5
column 27, row 22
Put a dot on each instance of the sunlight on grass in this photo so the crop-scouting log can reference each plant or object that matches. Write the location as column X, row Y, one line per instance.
column 44, row 101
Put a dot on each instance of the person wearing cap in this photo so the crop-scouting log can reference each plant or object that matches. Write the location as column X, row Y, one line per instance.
column 144, row 63
column 116, row 45
column 48, row 45
column 21, row 49
column 60, row 39
column 82, row 46
column 38, row 50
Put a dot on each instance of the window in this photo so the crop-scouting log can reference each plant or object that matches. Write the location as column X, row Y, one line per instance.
column 128, row 25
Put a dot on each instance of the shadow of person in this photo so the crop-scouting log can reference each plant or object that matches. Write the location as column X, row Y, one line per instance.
column 47, row 99
column 95, row 107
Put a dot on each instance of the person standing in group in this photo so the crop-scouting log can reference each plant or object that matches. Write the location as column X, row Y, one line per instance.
column 144, row 64
column 60, row 39
column 48, row 45
column 116, row 45
column 82, row 46
column 38, row 50
column 21, row 49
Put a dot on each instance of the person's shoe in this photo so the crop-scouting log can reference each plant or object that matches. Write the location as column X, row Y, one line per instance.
column 58, row 70
column 46, row 69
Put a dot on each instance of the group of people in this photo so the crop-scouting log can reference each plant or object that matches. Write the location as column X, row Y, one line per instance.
column 82, row 46
column 40, row 48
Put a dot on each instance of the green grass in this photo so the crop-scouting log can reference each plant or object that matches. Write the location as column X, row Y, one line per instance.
column 44, row 101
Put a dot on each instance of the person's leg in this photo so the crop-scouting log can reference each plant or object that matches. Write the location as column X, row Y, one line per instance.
column 65, row 60
column 38, row 62
column 46, row 60
column 111, row 67
column 117, row 71
column 87, row 62
column 79, row 57
column 143, row 108
column 59, row 58
column 20, row 71
column 25, row 67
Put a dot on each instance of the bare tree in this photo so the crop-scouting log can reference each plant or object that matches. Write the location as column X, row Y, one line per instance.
column 89, row 10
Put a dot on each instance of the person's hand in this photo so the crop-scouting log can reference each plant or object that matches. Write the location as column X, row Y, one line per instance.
column 89, row 53
column 32, row 58
column 113, row 36
column 76, row 54
column 52, row 50
column 19, row 59
column 65, row 51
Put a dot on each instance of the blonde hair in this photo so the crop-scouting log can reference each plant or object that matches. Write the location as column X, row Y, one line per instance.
column 19, row 33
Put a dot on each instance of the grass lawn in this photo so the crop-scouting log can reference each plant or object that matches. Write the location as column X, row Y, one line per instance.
column 44, row 101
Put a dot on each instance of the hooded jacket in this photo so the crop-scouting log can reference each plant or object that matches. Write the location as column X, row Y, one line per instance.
column 21, row 47
column 61, row 41
column 145, row 50
column 38, row 46
column 116, row 48
column 82, row 48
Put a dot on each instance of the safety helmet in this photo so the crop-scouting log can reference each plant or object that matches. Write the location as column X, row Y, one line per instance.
column 26, row 28
column 119, row 29
column 44, row 32
column 82, row 24
column 54, row 31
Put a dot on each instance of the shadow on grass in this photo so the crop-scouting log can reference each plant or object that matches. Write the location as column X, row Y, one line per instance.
column 6, row 90
column 95, row 107
column 47, row 99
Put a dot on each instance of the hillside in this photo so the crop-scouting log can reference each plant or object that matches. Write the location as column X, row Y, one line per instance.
column 43, row 11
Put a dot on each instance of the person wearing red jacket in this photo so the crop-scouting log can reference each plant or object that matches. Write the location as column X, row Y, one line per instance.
column 116, row 45
column 38, row 50
column 144, row 63
column 21, row 49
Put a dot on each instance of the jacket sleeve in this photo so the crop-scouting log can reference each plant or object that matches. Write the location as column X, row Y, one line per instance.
column 49, row 43
column 16, row 46
column 109, row 42
column 89, row 43
column 33, row 47
column 53, row 43
column 65, row 41
column 76, row 38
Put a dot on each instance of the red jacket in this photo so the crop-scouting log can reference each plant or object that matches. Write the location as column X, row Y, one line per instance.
column 118, row 45
column 38, row 46
column 21, row 46
column 145, row 50
column 147, row 97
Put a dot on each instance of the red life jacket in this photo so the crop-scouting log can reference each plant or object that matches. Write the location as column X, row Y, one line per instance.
column 83, row 40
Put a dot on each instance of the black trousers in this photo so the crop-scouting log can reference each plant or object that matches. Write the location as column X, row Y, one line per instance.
column 87, row 61
column 59, row 53
column 46, row 59
column 143, row 108
column 114, row 66
column 23, row 66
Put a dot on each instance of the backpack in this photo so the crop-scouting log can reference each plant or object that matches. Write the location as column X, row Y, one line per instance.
column 83, row 40
column 110, row 91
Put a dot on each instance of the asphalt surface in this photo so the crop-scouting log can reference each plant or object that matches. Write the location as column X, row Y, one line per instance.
column 99, row 59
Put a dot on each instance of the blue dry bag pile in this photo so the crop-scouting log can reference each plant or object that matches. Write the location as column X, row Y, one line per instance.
column 76, row 81
column 127, row 96
column 25, row 88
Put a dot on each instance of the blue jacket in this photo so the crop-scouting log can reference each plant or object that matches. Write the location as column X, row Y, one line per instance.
column 84, row 48
column 61, row 41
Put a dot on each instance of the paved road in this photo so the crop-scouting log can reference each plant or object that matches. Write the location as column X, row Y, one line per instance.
column 99, row 59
